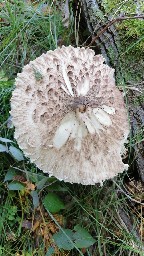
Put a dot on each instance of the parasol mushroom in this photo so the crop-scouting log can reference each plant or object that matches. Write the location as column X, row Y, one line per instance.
column 70, row 119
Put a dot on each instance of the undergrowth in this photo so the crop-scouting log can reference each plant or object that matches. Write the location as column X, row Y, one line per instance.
column 28, row 30
column 109, row 218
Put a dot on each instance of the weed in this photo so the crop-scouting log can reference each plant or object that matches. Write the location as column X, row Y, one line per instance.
column 27, row 30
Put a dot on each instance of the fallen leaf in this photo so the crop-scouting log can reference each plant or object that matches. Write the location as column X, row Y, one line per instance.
column 27, row 224
column 30, row 186
column 19, row 178
column 36, row 225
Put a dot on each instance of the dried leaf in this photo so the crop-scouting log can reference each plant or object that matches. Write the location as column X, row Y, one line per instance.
column 27, row 224
column 19, row 178
column 30, row 186
column 36, row 225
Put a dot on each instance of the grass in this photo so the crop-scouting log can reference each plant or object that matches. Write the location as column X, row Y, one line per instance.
column 28, row 30
column 27, row 227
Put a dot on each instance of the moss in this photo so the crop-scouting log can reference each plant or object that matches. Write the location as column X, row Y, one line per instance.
column 117, row 7
column 131, row 31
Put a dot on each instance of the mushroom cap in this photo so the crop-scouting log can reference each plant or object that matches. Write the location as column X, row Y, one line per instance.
column 70, row 119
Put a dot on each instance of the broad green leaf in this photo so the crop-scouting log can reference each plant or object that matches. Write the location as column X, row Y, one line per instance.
column 10, row 174
column 3, row 148
column 35, row 198
column 16, row 153
column 53, row 203
column 15, row 185
column 82, row 238
column 5, row 140
column 64, row 240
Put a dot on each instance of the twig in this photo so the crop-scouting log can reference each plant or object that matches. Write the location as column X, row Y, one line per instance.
column 127, row 195
column 111, row 23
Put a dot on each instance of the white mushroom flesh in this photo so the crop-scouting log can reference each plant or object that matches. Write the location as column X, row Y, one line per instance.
column 102, row 117
column 68, row 84
column 64, row 130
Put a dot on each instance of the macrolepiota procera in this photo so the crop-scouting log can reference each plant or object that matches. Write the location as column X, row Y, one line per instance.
column 70, row 118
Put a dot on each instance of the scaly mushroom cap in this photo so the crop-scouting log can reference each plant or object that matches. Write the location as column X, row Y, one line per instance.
column 69, row 117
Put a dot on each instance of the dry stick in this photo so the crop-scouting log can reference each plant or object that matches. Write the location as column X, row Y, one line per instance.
column 127, row 195
column 112, row 22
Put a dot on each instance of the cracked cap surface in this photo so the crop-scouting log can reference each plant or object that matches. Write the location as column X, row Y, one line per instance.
column 69, row 117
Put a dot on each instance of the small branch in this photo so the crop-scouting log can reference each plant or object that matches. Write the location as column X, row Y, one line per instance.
column 127, row 195
column 111, row 23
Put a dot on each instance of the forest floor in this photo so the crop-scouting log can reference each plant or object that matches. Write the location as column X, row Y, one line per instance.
column 84, row 220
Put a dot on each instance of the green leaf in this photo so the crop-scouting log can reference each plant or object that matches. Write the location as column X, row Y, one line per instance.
column 11, row 217
column 1, row 250
column 15, row 185
column 33, row 177
column 64, row 239
column 52, row 179
column 42, row 182
column 3, row 76
column 50, row 251
column 3, row 148
column 10, row 174
column 35, row 198
column 53, row 203
column 56, row 187
column 5, row 140
column 82, row 238
column 16, row 153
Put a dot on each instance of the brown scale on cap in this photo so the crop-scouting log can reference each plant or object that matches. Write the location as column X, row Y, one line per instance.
column 69, row 117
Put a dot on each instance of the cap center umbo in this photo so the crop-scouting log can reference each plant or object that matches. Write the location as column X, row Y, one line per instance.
column 79, row 104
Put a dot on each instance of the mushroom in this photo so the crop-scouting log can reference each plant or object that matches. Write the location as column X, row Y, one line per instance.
column 70, row 118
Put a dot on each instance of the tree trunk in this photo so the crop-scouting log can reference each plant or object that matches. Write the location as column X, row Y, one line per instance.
column 109, row 44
